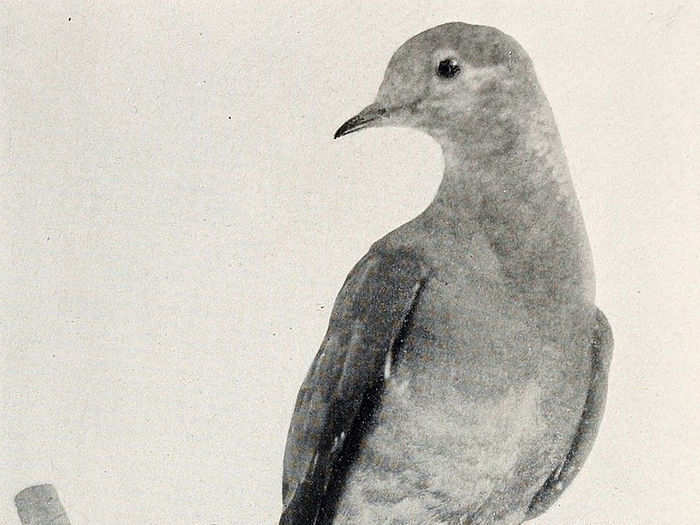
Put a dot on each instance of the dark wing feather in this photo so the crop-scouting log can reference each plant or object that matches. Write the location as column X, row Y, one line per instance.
column 367, row 317
column 601, row 354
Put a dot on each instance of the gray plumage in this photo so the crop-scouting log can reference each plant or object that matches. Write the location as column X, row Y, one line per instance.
column 463, row 375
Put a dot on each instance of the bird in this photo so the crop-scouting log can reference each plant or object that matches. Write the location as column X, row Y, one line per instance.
column 463, row 375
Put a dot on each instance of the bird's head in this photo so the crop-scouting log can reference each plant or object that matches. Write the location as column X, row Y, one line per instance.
column 454, row 81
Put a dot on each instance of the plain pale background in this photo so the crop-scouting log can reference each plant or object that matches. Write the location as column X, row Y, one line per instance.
column 176, row 222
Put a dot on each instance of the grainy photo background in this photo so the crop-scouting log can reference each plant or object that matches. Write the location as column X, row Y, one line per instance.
column 176, row 222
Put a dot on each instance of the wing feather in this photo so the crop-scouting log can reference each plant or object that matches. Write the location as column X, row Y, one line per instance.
column 368, row 315
column 563, row 475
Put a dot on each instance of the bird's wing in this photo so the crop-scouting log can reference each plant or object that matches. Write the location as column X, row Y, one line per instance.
column 346, row 377
column 601, row 354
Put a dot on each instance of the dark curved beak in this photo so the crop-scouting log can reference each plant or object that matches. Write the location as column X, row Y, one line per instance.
column 366, row 118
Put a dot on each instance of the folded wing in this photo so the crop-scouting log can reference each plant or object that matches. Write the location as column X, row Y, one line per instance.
column 601, row 354
column 334, row 402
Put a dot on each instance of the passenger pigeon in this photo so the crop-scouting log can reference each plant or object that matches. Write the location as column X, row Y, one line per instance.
column 464, row 372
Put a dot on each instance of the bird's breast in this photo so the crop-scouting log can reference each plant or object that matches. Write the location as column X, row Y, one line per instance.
column 478, row 408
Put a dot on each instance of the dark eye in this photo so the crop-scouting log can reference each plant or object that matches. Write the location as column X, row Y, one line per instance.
column 448, row 68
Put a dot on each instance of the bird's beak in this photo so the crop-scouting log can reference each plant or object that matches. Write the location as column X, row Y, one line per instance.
column 364, row 119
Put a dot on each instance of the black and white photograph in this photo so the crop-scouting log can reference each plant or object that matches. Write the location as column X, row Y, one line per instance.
column 345, row 263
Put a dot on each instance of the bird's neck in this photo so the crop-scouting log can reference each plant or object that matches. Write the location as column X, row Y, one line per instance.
column 519, row 196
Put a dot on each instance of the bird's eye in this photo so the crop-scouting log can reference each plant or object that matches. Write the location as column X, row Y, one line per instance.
column 448, row 68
